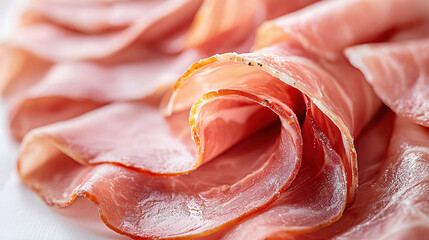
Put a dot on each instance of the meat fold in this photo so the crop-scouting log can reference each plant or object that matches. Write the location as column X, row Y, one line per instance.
column 393, row 202
column 399, row 74
column 109, row 59
column 327, row 27
column 246, row 105
column 267, row 144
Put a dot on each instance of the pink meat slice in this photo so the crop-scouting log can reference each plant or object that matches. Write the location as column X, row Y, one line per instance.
column 31, row 48
column 229, row 100
column 87, row 16
column 138, row 137
column 167, row 18
column 399, row 74
column 316, row 198
column 71, row 89
column 327, row 27
column 229, row 25
column 336, row 88
column 13, row 78
column 393, row 203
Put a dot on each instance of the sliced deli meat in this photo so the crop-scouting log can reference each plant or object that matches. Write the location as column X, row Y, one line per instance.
column 239, row 98
column 399, row 74
column 87, row 16
column 233, row 176
column 40, row 89
column 166, row 19
column 290, row 140
column 71, row 89
column 393, row 203
column 229, row 25
column 327, row 27
column 56, row 88
column 316, row 198
column 336, row 88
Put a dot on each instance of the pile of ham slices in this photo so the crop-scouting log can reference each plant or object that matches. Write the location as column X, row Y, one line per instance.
column 226, row 119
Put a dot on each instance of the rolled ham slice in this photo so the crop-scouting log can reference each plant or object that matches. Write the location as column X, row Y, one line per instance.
column 176, row 206
column 228, row 100
column 331, row 86
column 316, row 198
column 246, row 146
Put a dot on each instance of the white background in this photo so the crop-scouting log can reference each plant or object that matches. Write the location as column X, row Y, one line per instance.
column 23, row 215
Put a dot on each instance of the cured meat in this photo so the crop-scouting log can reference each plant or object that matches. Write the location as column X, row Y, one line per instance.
column 316, row 198
column 276, row 154
column 392, row 203
column 87, row 17
column 229, row 25
column 328, row 27
column 13, row 79
column 333, row 88
column 31, row 47
column 258, row 145
column 249, row 92
column 57, row 89
column 65, row 92
column 399, row 74
column 71, row 89
column 168, row 18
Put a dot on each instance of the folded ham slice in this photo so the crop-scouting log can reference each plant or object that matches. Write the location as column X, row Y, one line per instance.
column 258, row 145
column 328, row 27
column 393, row 203
column 165, row 20
column 399, row 74
column 228, row 99
column 316, row 198
column 142, row 205
column 87, row 16
column 56, row 88
column 334, row 87
column 229, row 25
column 71, row 89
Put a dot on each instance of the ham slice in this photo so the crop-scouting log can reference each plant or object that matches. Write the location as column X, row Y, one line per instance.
column 328, row 27
column 56, row 88
column 333, row 88
column 229, row 25
column 31, row 47
column 392, row 204
column 251, row 93
column 13, row 79
column 167, row 18
column 258, row 145
column 399, row 74
column 178, row 206
column 316, row 198
column 71, row 89
column 87, row 17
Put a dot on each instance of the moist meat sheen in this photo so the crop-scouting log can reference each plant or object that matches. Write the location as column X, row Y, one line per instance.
column 226, row 119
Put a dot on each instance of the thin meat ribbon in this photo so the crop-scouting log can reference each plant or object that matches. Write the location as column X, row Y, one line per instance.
column 252, row 145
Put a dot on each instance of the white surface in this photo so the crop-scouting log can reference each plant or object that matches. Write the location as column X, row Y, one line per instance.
column 23, row 215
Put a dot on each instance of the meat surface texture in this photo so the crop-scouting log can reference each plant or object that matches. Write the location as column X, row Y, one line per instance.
column 226, row 119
